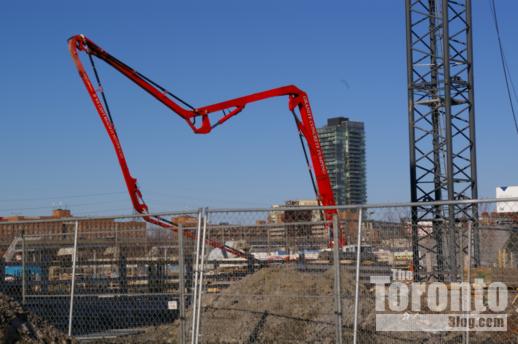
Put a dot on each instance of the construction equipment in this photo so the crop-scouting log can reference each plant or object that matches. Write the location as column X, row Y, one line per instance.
column 441, row 120
column 298, row 100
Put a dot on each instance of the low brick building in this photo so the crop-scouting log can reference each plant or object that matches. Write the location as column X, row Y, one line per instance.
column 10, row 227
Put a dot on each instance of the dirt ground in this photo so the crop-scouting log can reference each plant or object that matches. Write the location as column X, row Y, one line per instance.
column 284, row 305
column 20, row 326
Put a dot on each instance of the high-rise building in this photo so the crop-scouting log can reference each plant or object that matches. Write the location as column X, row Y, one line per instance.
column 343, row 145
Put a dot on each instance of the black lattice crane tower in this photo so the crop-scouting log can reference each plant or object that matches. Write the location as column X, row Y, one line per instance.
column 442, row 134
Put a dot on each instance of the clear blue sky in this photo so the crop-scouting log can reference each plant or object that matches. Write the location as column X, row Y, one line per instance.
column 55, row 151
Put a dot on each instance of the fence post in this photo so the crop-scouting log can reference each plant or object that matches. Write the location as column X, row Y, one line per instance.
column 338, row 285
column 73, row 280
column 196, row 272
column 357, row 286
column 470, row 227
column 24, row 272
column 181, row 283
column 201, row 266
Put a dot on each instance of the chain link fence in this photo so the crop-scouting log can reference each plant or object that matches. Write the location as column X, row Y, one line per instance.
column 269, row 275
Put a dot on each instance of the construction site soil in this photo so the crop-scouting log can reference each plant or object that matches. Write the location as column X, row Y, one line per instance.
column 20, row 326
column 285, row 305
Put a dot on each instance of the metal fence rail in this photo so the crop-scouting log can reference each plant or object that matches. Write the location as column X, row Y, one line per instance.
column 107, row 276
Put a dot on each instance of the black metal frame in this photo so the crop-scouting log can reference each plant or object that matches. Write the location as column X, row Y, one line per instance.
column 441, row 132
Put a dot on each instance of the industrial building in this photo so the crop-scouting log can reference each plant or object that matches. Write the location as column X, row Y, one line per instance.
column 10, row 228
column 343, row 145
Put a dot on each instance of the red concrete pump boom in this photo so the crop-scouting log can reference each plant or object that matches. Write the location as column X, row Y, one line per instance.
column 298, row 100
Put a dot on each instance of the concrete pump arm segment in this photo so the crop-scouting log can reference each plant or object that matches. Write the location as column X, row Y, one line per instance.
column 298, row 100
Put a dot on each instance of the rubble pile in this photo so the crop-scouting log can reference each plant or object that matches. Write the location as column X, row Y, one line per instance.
column 286, row 305
column 20, row 326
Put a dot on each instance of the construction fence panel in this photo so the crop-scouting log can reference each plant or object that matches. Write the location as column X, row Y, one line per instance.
column 378, row 258
column 497, row 267
column 28, row 272
column 126, row 276
column 96, row 277
column 389, row 242
column 279, row 290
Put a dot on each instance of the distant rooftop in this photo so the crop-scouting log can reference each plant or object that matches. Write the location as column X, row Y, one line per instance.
column 336, row 121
